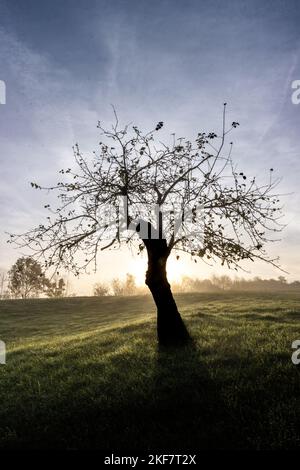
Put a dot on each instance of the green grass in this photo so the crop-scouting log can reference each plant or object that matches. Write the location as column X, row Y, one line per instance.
column 87, row 373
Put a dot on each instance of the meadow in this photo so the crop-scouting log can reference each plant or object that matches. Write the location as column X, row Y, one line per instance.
column 87, row 373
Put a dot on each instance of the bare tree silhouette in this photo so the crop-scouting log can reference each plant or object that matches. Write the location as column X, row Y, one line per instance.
column 185, row 196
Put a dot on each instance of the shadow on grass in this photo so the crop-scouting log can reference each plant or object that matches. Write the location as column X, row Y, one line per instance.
column 114, row 389
column 188, row 406
column 181, row 410
column 177, row 409
column 119, row 392
column 157, row 400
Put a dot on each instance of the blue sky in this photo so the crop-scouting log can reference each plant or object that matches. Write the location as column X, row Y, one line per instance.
column 64, row 62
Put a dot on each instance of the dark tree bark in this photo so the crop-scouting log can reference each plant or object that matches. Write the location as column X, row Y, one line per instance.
column 170, row 327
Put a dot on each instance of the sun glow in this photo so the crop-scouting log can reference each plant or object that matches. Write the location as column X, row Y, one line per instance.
column 175, row 269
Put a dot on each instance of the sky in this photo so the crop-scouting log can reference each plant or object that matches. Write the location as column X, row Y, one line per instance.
column 65, row 62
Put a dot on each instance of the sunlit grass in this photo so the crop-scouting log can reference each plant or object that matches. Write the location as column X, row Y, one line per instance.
column 87, row 373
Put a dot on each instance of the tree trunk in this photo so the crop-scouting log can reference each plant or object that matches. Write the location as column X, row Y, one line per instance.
column 170, row 327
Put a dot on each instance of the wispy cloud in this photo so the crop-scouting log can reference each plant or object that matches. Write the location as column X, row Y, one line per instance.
column 171, row 61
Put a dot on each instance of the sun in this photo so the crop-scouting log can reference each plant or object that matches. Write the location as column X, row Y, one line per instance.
column 175, row 269
column 137, row 267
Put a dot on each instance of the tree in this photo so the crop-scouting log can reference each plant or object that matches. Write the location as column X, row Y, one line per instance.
column 126, row 287
column 56, row 288
column 222, row 282
column 101, row 289
column 26, row 278
column 282, row 280
column 117, row 287
column 130, row 285
column 159, row 197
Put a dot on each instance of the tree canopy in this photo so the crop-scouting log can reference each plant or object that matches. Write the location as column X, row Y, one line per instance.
column 26, row 278
column 190, row 193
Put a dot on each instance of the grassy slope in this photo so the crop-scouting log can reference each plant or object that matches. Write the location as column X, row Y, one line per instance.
column 87, row 372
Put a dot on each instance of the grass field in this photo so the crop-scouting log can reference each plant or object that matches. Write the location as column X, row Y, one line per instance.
column 87, row 373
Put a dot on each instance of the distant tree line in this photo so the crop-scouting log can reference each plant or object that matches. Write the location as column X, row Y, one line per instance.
column 26, row 279
column 188, row 284
column 119, row 287
column 226, row 283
